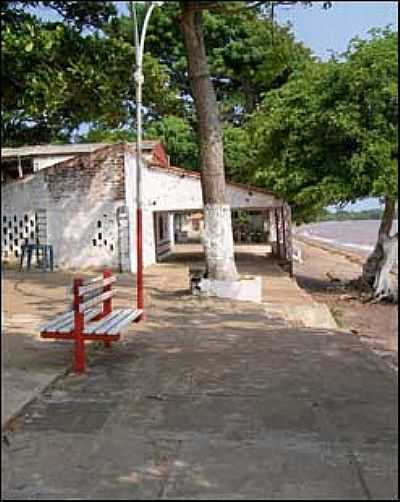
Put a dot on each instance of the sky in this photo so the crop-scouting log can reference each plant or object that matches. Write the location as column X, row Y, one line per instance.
column 332, row 29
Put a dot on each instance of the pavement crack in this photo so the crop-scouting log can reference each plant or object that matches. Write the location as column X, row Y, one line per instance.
column 354, row 461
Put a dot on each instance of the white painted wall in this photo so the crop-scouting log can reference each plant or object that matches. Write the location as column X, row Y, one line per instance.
column 130, row 198
column 166, row 191
column 73, row 212
column 76, row 198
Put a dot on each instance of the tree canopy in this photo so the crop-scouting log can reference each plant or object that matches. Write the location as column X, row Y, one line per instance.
column 60, row 75
column 329, row 135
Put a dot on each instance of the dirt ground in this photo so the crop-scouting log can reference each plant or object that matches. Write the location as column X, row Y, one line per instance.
column 375, row 324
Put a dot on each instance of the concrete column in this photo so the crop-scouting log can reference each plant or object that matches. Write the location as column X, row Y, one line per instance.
column 123, row 239
column 171, row 217
column 130, row 190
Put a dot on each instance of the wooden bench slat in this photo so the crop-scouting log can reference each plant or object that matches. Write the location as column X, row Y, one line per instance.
column 117, row 324
column 65, row 322
column 130, row 317
column 94, row 286
column 97, row 285
column 113, row 322
column 89, row 314
column 64, row 315
column 94, row 301
column 93, row 280
column 104, row 324
column 92, row 327
column 66, row 325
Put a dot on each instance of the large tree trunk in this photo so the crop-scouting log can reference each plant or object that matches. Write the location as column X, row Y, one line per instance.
column 377, row 269
column 218, row 238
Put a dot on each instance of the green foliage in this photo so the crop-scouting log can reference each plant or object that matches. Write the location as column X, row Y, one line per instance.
column 237, row 146
column 247, row 54
column 329, row 135
column 97, row 134
column 179, row 139
column 77, row 14
column 55, row 78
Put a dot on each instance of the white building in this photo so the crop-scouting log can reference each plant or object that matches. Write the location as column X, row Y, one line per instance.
column 80, row 198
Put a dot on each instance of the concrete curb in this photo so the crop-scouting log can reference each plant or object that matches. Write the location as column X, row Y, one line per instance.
column 41, row 389
column 15, row 414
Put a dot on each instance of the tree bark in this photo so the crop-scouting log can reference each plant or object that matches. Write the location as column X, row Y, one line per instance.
column 377, row 268
column 218, row 237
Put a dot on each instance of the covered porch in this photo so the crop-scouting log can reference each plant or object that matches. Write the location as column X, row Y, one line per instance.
column 263, row 231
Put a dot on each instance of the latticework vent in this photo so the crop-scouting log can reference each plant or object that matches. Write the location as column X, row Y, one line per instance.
column 104, row 234
column 18, row 229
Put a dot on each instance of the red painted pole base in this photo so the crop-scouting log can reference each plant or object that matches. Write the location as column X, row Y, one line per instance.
column 79, row 366
column 139, row 272
column 142, row 317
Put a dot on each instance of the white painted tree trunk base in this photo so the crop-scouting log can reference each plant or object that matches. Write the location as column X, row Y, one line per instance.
column 218, row 242
column 247, row 288
column 385, row 286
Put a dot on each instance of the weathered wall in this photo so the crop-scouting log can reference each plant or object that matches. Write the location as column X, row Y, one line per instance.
column 81, row 197
column 175, row 191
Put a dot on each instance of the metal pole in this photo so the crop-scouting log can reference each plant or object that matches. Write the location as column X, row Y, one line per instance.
column 139, row 79
column 139, row 215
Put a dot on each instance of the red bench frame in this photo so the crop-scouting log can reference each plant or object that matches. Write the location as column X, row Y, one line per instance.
column 77, row 333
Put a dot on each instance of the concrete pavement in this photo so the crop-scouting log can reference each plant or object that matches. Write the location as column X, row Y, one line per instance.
column 220, row 414
column 210, row 399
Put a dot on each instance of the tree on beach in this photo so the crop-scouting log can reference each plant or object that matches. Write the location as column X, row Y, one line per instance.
column 329, row 136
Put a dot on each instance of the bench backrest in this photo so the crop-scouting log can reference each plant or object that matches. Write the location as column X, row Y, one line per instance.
column 91, row 292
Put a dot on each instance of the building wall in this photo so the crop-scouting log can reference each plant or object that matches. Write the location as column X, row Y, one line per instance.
column 89, row 203
column 167, row 191
column 82, row 199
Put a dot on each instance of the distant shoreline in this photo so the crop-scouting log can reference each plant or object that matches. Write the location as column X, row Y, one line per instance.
column 353, row 238
column 354, row 257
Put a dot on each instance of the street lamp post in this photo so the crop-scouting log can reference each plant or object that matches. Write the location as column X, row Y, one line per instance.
column 139, row 79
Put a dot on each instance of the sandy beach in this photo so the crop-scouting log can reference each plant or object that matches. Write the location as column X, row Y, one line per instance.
column 375, row 324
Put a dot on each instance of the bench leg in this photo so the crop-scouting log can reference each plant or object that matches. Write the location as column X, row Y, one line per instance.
column 107, row 344
column 79, row 366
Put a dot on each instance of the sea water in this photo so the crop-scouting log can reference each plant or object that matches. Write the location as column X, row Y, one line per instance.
column 357, row 236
